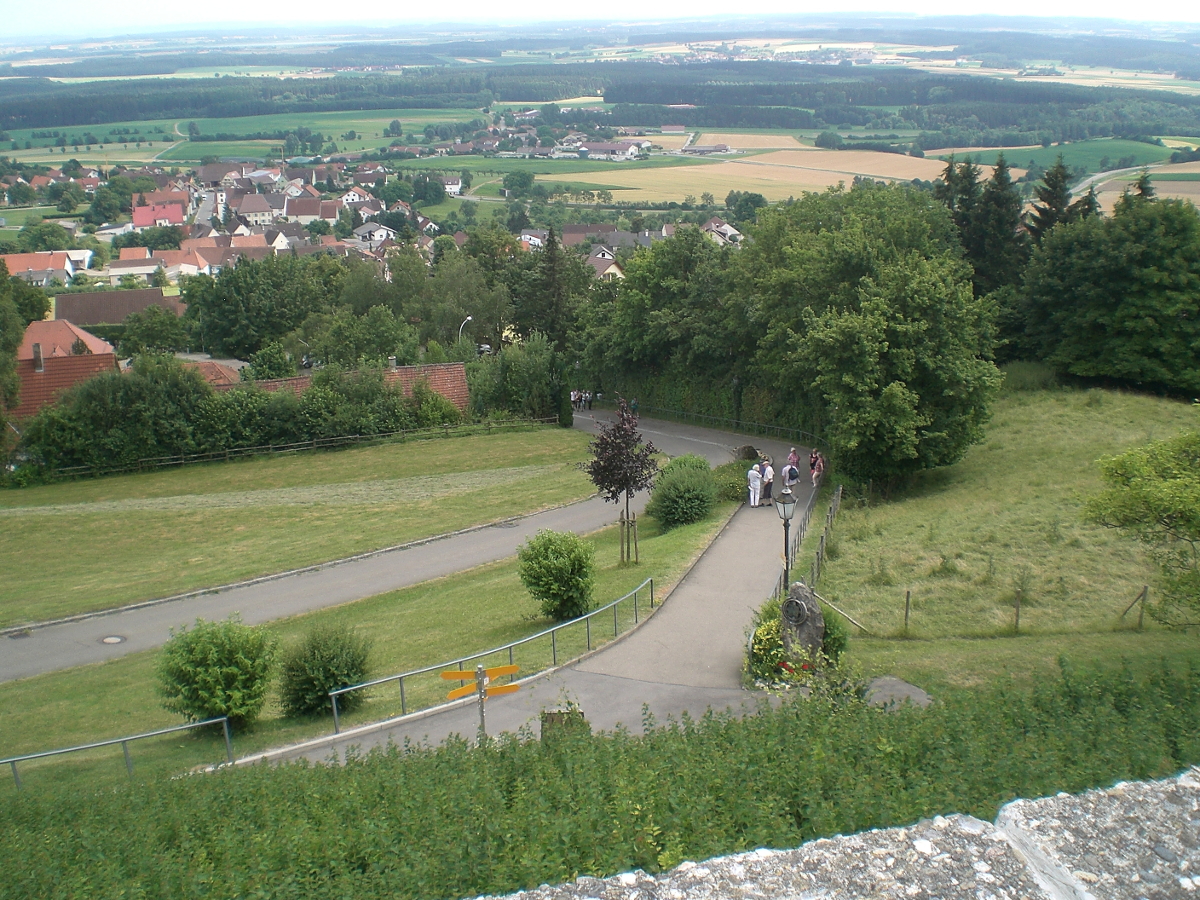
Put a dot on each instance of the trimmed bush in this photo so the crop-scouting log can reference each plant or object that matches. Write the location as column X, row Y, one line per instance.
column 217, row 669
column 559, row 569
column 328, row 658
column 682, row 496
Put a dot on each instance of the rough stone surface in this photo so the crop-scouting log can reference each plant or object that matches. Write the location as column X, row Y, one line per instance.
column 803, row 625
column 1130, row 841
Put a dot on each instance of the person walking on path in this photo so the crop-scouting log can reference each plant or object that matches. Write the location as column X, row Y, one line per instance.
column 791, row 475
column 818, row 468
column 754, row 483
column 793, row 459
column 768, row 477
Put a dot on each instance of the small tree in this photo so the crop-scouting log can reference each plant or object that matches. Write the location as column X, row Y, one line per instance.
column 217, row 669
column 327, row 659
column 559, row 569
column 621, row 465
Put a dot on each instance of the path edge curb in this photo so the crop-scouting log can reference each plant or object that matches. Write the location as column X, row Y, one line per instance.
column 17, row 630
column 282, row 754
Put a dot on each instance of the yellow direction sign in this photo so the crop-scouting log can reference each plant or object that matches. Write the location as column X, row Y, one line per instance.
column 480, row 685
column 493, row 672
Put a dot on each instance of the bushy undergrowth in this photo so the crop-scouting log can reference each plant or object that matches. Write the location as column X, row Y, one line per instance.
column 731, row 481
column 525, row 813
column 164, row 409
column 559, row 569
column 217, row 669
column 684, row 492
column 326, row 659
column 765, row 661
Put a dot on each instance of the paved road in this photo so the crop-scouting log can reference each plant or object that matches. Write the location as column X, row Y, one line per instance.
column 72, row 644
column 687, row 657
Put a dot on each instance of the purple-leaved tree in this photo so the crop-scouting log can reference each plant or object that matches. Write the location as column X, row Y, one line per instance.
column 621, row 464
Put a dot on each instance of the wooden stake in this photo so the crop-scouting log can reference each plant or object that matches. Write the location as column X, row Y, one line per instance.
column 907, row 605
column 1142, row 608
column 637, row 559
column 1017, row 626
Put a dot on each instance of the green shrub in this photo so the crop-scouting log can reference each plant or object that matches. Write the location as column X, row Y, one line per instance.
column 837, row 635
column 682, row 496
column 559, row 569
column 689, row 462
column 217, row 669
column 595, row 804
column 731, row 481
column 328, row 658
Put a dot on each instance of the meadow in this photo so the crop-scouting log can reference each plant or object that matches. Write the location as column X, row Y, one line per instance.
column 1077, row 154
column 410, row 628
column 964, row 541
column 111, row 541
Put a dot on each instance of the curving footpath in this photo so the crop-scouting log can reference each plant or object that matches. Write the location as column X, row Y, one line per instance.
column 76, row 643
column 686, row 658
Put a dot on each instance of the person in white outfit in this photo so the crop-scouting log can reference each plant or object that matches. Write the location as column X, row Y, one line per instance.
column 754, row 482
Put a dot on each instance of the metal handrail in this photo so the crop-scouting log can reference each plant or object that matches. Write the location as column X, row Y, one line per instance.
column 124, row 742
column 458, row 661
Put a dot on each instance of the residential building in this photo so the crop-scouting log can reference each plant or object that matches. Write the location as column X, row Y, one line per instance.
column 54, row 356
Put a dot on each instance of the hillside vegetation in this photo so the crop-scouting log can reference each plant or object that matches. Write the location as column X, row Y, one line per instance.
column 1009, row 517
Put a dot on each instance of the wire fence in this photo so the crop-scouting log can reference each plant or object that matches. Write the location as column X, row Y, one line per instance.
column 327, row 443
column 12, row 761
column 818, row 563
column 556, row 637
column 799, row 529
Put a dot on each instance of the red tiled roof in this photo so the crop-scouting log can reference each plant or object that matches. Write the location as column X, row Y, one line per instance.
column 39, row 389
column 146, row 216
column 134, row 253
column 18, row 263
column 215, row 373
column 56, row 337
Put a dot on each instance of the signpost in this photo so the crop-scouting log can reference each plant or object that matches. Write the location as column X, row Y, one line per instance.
column 481, row 687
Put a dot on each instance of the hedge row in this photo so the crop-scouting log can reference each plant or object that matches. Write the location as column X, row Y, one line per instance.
column 456, row 821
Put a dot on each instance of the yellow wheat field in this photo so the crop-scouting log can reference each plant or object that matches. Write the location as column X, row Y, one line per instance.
column 750, row 141
column 668, row 141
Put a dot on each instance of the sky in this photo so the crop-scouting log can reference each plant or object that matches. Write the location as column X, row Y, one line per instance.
column 74, row 20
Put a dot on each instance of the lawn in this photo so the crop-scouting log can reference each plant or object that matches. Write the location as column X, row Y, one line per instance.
column 964, row 540
column 16, row 216
column 110, row 541
column 410, row 628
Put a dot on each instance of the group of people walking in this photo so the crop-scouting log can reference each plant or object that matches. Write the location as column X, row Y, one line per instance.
column 581, row 400
column 760, row 480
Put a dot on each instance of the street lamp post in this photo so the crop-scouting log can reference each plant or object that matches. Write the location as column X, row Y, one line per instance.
column 785, row 505
column 464, row 322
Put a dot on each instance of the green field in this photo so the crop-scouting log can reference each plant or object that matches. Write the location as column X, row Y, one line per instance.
column 410, row 628
column 965, row 539
column 16, row 216
column 501, row 166
column 110, row 541
column 1085, row 154
column 1176, row 176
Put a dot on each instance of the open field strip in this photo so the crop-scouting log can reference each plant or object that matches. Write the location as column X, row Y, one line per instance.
column 1180, row 181
column 1007, row 518
column 1078, row 75
column 16, row 216
column 986, row 152
column 776, row 175
column 111, row 541
column 742, row 141
column 411, row 628
column 667, row 141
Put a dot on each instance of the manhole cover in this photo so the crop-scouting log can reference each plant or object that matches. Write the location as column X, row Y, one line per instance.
column 113, row 639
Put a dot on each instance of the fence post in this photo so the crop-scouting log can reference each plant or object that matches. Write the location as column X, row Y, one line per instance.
column 16, row 777
column 228, row 743
column 554, row 646
column 1142, row 607
column 1017, row 621
column 907, row 598
column 337, row 725
column 403, row 704
column 588, row 623
column 637, row 559
column 128, row 761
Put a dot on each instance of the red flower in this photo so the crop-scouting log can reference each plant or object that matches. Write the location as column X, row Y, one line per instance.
column 788, row 668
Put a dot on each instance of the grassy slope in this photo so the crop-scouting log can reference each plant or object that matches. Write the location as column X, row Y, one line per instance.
column 99, row 543
column 1009, row 515
column 410, row 628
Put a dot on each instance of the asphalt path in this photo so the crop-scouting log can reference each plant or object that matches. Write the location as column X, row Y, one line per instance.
column 118, row 633
column 684, row 659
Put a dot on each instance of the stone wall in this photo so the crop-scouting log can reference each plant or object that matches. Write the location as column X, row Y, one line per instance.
column 1133, row 841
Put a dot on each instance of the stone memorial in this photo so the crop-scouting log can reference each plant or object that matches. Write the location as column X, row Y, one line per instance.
column 803, row 624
